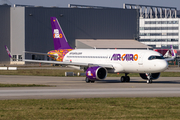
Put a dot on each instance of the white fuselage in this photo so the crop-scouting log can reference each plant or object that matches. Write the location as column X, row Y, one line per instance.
column 125, row 61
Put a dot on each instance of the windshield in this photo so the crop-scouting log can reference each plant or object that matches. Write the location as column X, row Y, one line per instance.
column 155, row 57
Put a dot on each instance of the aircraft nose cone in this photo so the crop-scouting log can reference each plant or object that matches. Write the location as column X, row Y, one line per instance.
column 163, row 65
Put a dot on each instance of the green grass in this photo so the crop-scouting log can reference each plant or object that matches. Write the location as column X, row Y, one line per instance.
column 61, row 73
column 92, row 108
column 37, row 72
column 23, row 85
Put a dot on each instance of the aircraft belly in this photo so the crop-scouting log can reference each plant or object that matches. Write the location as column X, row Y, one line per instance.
column 118, row 67
column 131, row 68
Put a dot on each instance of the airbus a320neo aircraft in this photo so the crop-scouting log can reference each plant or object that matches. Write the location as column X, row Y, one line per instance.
column 98, row 62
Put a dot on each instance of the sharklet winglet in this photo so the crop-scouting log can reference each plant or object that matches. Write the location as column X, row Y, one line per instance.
column 8, row 51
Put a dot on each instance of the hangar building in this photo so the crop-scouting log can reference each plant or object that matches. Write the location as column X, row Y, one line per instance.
column 28, row 28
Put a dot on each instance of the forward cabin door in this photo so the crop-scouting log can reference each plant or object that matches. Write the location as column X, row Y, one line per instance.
column 140, row 59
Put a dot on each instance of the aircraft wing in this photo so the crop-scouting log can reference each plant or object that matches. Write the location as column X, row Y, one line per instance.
column 60, row 63
column 70, row 63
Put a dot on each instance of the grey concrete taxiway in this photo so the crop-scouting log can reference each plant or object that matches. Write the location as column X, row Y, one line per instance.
column 76, row 87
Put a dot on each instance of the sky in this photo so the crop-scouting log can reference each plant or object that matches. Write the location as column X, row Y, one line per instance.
column 105, row 3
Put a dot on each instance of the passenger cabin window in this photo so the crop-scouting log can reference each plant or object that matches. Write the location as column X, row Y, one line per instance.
column 155, row 57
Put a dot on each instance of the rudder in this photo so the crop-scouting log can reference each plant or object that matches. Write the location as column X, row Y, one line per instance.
column 60, row 41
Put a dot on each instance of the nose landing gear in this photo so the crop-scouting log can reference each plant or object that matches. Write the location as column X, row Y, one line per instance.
column 149, row 78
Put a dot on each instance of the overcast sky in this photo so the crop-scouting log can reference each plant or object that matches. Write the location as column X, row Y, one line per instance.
column 106, row 3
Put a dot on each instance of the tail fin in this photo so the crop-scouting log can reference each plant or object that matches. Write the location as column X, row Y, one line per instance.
column 172, row 51
column 173, row 54
column 60, row 41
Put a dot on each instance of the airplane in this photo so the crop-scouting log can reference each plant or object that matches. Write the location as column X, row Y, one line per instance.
column 98, row 62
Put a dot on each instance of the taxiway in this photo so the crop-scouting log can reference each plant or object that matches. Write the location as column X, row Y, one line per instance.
column 76, row 87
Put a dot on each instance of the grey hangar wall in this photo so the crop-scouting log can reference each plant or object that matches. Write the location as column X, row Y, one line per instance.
column 4, row 32
column 31, row 28
column 77, row 23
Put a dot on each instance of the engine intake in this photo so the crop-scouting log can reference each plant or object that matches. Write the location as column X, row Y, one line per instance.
column 96, row 73
column 153, row 76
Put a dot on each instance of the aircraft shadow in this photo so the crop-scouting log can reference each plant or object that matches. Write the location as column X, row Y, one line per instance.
column 167, row 82
column 141, row 81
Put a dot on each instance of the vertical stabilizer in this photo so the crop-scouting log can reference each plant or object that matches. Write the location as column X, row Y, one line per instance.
column 173, row 54
column 172, row 51
column 60, row 41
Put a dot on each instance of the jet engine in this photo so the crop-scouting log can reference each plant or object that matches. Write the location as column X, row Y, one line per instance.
column 96, row 73
column 153, row 76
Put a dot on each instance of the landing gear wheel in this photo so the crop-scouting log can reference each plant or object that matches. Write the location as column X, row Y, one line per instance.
column 123, row 79
column 149, row 78
column 148, row 81
column 127, row 78
column 92, row 81
column 87, row 80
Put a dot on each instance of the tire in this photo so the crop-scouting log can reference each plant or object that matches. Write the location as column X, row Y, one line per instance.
column 92, row 81
column 148, row 81
column 127, row 79
column 87, row 80
column 123, row 79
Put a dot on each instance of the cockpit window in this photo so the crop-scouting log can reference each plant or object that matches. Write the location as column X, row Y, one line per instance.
column 155, row 57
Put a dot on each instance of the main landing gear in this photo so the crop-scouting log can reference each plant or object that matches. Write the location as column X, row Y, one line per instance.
column 125, row 78
column 149, row 80
column 88, row 80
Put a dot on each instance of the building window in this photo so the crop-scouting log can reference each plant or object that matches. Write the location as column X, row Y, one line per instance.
column 169, row 46
column 19, row 57
column 172, row 34
column 164, row 47
column 161, row 22
column 158, row 34
column 14, row 57
column 158, row 28
column 176, row 46
column 158, row 40
column 38, row 57
column 153, row 46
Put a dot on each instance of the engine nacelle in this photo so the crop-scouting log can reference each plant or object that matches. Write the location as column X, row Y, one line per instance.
column 96, row 73
column 153, row 76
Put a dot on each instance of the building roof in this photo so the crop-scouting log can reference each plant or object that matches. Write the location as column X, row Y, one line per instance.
column 111, row 44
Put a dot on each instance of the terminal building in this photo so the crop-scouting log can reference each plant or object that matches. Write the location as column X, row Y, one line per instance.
column 28, row 28
column 158, row 26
